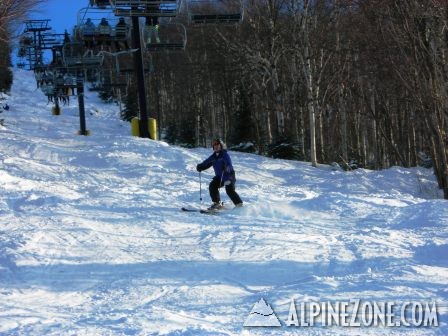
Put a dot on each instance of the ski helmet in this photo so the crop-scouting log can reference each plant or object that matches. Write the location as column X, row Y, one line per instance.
column 219, row 141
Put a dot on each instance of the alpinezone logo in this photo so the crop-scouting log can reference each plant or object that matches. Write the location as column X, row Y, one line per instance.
column 262, row 315
column 353, row 313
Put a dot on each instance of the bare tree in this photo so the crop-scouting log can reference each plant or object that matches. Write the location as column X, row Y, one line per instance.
column 349, row 80
column 260, row 49
column 12, row 13
column 418, row 32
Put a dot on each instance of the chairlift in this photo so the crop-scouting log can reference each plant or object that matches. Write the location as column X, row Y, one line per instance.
column 57, row 55
column 26, row 40
column 32, row 40
column 25, row 44
column 112, row 80
column 124, row 64
column 64, row 82
column 215, row 11
column 118, row 83
column 145, row 8
column 40, row 67
column 74, row 55
column 51, row 39
column 99, row 3
column 97, row 26
column 37, row 25
column 168, row 37
column 48, row 89
column 95, row 82
column 45, row 81
column 43, row 76
column 22, row 52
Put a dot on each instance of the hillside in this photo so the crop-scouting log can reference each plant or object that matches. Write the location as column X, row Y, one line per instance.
column 93, row 241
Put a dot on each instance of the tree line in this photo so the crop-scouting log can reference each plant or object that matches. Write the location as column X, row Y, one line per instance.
column 334, row 81
column 12, row 14
column 324, row 81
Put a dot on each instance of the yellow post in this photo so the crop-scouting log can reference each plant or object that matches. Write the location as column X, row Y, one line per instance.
column 56, row 110
column 135, row 131
column 152, row 125
column 86, row 133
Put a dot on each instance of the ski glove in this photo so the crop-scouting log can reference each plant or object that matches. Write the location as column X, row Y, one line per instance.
column 199, row 168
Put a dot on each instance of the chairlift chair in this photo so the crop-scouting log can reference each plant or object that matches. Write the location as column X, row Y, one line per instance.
column 116, row 80
column 65, row 81
column 26, row 40
column 57, row 55
column 48, row 89
column 75, row 55
column 37, row 25
column 215, row 11
column 39, row 67
column 51, row 39
column 89, row 27
column 99, row 3
column 145, row 8
column 171, row 36
column 126, row 68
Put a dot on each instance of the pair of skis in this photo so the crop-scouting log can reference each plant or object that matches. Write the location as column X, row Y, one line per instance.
column 202, row 211
column 208, row 211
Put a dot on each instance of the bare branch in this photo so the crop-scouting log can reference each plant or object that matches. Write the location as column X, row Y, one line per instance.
column 12, row 12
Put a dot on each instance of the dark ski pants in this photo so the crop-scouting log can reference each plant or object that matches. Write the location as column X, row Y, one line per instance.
column 214, row 186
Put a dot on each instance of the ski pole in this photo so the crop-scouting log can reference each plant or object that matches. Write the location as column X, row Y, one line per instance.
column 200, row 186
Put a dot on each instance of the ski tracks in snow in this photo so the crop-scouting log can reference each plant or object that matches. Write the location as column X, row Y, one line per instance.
column 93, row 242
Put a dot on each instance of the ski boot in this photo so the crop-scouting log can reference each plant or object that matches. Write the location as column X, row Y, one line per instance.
column 216, row 206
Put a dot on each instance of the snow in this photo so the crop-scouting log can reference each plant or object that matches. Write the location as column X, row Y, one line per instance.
column 93, row 242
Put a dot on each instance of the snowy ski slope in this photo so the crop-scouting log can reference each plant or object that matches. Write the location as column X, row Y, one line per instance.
column 92, row 241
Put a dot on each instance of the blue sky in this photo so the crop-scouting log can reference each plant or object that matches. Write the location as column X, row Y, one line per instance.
column 63, row 13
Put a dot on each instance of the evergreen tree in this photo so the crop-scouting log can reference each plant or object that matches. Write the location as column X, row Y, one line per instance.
column 242, row 120
column 5, row 64
column 131, row 103
column 187, row 134
column 106, row 94
column 170, row 133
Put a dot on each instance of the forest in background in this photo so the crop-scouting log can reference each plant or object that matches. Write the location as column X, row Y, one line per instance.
column 361, row 83
column 343, row 81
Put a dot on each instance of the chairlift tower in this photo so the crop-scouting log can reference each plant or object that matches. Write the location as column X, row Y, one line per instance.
column 36, row 28
column 76, row 61
column 136, row 9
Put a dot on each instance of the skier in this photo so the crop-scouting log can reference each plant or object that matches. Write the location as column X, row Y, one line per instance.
column 104, row 33
column 224, row 175
column 88, row 31
column 152, row 28
column 121, row 34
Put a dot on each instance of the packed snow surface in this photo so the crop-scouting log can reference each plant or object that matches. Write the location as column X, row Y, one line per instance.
column 93, row 242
